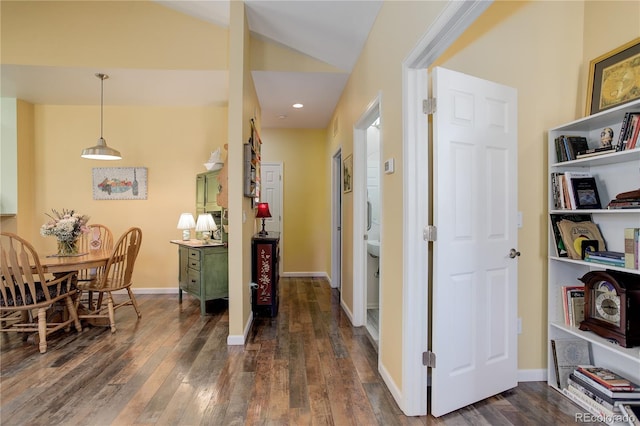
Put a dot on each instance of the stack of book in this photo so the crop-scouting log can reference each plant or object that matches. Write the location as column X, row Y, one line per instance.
column 568, row 147
column 611, row 258
column 604, row 393
column 626, row 200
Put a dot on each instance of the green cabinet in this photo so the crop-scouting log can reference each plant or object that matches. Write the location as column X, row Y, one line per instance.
column 207, row 189
column 204, row 272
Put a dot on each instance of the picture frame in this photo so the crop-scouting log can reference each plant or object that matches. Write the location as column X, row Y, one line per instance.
column 347, row 174
column 119, row 183
column 612, row 78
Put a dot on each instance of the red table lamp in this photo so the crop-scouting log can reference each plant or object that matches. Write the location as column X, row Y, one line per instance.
column 263, row 213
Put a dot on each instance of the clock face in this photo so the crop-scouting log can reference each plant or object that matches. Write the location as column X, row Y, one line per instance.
column 606, row 303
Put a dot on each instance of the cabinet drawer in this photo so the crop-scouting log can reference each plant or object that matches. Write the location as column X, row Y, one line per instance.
column 194, row 254
column 194, row 264
column 193, row 282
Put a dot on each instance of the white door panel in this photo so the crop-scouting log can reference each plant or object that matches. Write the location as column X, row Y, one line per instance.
column 270, row 192
column 475, row 211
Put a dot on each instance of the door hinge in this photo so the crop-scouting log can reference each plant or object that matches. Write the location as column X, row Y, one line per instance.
column 430, row 233
column 429, row 106
column 429, row 359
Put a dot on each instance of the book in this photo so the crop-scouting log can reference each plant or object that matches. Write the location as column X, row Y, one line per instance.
column 607, row 378
column 614, row 395
column 575, row 144
column 624, row 130
column 568, row 354
column 570, row 179
column 587, row 403
column 595, row 151
column 574, row 233
column 625, row 203
column 576, row 309
column 585, row 193
column 556, row 189
column 567, row 294
column 628, row 142
column 593, row 393
column 555, row 218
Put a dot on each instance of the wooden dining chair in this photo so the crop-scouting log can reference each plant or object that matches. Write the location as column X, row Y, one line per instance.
column 117, row 276
column 26, row 289
column 99, row 237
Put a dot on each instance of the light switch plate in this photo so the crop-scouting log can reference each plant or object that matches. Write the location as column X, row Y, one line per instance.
column 389, row 166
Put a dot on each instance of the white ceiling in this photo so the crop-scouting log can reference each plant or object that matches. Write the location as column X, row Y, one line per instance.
column 333, row 32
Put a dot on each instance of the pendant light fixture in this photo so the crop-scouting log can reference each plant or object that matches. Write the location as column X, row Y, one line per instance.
column 101, row 151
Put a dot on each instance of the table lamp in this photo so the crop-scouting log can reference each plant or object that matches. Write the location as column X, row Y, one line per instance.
column 206, row 224
column 186, row 222
column 263, row 213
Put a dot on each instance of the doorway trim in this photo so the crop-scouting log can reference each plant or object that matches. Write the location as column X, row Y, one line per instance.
column 370, row 114
column 336, row 220
column 454, row 19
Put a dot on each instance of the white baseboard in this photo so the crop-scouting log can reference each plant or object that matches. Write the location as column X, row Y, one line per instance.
column 149, row 290
column 391, row 385
column 305, row 274
column 346, row 310
column 539, row 375
column 237, row 340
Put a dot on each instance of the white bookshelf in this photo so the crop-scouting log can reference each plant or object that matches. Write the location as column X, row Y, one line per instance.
column 615, row 172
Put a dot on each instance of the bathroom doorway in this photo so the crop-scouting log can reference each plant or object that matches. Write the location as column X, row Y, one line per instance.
column 372, row 286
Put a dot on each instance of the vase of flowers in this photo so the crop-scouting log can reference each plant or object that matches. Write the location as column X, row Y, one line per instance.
column 67, row 226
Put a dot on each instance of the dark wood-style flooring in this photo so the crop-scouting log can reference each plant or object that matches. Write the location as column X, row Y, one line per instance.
column 307, row 366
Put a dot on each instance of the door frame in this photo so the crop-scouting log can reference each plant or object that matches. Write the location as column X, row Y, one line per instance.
column 336, row 220
column 370, row 114
column 454, row 19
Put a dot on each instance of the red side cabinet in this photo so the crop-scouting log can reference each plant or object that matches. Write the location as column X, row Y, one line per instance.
column 265, row 260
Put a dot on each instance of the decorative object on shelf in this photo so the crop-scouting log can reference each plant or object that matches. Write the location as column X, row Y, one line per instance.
column 612, row 306
column 263, row 213
column 613, row 78
column 119, row 183
column 186, row 223
column 214, row 162
column 101, row 151
column 67, row 226
column 606, row 137
column 347, row 174
column 206, row 225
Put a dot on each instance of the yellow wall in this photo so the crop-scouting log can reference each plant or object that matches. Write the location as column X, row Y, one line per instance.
column 114, row 34
column 171, row 142
column 306, row 238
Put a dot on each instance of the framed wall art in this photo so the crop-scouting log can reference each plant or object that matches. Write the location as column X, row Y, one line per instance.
column 119, row 183
column 614, row 78
column 347, row 174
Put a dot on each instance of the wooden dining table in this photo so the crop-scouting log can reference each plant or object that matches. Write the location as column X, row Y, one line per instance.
column 62, row 264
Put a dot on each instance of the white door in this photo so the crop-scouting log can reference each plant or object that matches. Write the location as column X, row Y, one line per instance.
column 271, row 192
column 475, row 212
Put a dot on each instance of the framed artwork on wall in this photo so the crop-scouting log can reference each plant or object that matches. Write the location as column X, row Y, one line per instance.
column 347, row 174
column 119, row 183
column 614, row 78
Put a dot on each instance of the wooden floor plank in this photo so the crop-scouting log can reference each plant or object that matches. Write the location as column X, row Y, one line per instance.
column 306, row 366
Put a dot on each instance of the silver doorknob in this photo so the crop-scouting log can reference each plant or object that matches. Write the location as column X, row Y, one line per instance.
column 513, row 253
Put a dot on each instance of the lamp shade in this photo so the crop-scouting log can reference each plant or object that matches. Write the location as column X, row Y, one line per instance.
column 101, row 152
column 263, row 210
column 206, row 223
column 186, row 221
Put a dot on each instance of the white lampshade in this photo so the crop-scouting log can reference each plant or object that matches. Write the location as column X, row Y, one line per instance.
column 206, row 224
column 186, row 222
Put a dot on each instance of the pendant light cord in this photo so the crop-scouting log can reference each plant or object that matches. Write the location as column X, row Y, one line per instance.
column 101, row 102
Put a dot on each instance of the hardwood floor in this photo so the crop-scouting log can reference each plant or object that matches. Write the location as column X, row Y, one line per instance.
column 173, row 367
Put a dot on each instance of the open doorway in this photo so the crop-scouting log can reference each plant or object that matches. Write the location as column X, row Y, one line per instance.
column 367, row 224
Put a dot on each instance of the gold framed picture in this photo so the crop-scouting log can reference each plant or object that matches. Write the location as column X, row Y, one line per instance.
column 347, row 174
column 614, row 78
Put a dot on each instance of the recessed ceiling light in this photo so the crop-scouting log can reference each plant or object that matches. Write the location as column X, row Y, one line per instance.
column 298, row 105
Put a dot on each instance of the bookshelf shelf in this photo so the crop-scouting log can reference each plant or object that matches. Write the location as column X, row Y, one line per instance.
column 615, row 172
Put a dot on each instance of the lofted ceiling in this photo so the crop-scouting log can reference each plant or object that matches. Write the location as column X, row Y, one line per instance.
column 332, row 32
